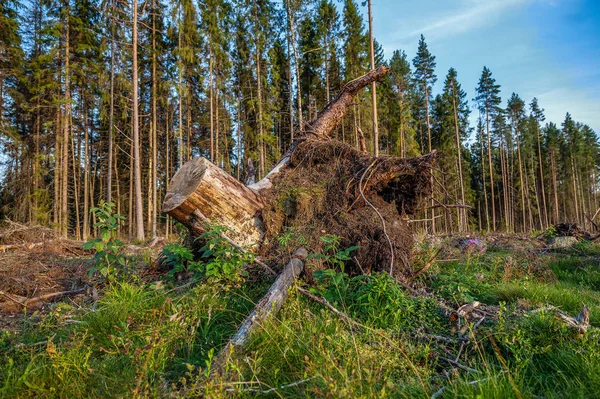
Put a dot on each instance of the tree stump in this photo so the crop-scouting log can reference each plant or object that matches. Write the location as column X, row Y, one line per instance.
column 202, row 191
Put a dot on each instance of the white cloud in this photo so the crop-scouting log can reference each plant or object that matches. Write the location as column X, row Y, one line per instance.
column 466, row 16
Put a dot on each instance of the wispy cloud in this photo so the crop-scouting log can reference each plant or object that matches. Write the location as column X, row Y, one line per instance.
column 465, row 16
column 582, row 104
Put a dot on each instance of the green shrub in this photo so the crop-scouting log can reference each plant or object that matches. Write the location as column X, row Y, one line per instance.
column 108, row 259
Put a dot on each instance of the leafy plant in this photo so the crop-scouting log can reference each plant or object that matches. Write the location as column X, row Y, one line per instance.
column 180, row 259
column 107, row 247
column 225, row 262
column 332, row 283
column 332, row 255
column 291, row 236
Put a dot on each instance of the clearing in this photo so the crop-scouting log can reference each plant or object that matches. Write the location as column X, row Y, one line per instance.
column 492, row 317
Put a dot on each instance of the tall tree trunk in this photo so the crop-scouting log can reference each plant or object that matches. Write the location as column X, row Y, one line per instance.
column 167, row 167
column 524, row 219
column 139, row 210
column 111, row 111
column 374, row 90
column 574, row 180
column 489, row 140
column 216, row 122
column 554, row 184
column 259, row 94
column 86, row 177
column 291, row 94
column 429, row 146
column 76, row 162
column 154, row 134
column 487, row 217
column 180, row 86
column 57, row 215
column 292, row 27
column 65, row 139
column 542, row 184
column 462, row 215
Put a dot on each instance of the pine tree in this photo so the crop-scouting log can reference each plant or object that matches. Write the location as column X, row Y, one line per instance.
column 552, row 145
column 11, row 57
column 425, row 78
column 488, row 100
column 400, row 74
column 457, row 115
column 515, row 110
column 354, row 49
column 328, row 29
column 537, row 114
column 310, row 66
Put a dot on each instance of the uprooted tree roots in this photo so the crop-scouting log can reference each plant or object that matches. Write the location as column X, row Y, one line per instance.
column 323, row 192
column 320, row 187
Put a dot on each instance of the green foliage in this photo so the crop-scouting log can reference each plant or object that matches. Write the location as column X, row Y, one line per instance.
column 142, row 340
column 291, row 238
column 108, row 259
column 225, row 262
column 180, row 258
column 139, row 342
column 332, row 255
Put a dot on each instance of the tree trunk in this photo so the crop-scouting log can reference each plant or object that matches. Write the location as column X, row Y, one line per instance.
column 137, row 168
column 65, row 140
column 462, row 213
column 154, row 136
column 493, row 197
column 111, row 112
column 374, row 87
column 201, row 189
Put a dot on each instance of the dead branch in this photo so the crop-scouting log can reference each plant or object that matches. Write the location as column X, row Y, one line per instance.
column 427, row 265
column 268, row 306
column 460, row 366
column 581, row 322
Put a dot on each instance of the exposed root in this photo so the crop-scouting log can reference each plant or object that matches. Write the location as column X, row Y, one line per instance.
column 332, row 188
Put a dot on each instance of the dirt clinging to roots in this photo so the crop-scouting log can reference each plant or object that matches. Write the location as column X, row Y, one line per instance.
column 320, row 194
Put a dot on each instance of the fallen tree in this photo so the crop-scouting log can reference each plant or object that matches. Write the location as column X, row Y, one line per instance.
column 320, row 186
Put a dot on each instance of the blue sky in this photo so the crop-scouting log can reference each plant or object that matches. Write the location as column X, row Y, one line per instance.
column 549, row 49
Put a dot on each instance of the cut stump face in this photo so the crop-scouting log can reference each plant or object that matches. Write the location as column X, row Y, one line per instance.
column 201, row 190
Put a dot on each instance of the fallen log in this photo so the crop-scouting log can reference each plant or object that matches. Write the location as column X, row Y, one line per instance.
column 16, row 303
column 200, row 189
column 267, row 307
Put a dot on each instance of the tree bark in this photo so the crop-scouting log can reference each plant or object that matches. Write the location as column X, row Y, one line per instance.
column 201, row 186
column 137, row 168
column 374, row 87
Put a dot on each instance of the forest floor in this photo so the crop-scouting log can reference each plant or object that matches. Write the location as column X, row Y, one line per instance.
column 486, row 320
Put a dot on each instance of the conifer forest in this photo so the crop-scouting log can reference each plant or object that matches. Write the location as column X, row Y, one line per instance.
column 107, row 99
column 257, row 198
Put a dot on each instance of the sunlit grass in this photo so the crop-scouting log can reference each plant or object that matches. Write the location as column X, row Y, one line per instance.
column 143, row 340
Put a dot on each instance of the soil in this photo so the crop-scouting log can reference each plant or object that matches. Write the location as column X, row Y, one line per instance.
column 320, row 194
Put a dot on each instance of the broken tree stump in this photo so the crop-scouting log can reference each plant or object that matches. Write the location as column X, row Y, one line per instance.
column 201, row 191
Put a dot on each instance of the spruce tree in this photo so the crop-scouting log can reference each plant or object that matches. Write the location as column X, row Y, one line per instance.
column 456, row 131
column 425, row 78
column 403, row 137
column 488, row 100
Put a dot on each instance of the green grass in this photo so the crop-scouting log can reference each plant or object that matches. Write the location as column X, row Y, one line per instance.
column 141, row 340
column 138, row 341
